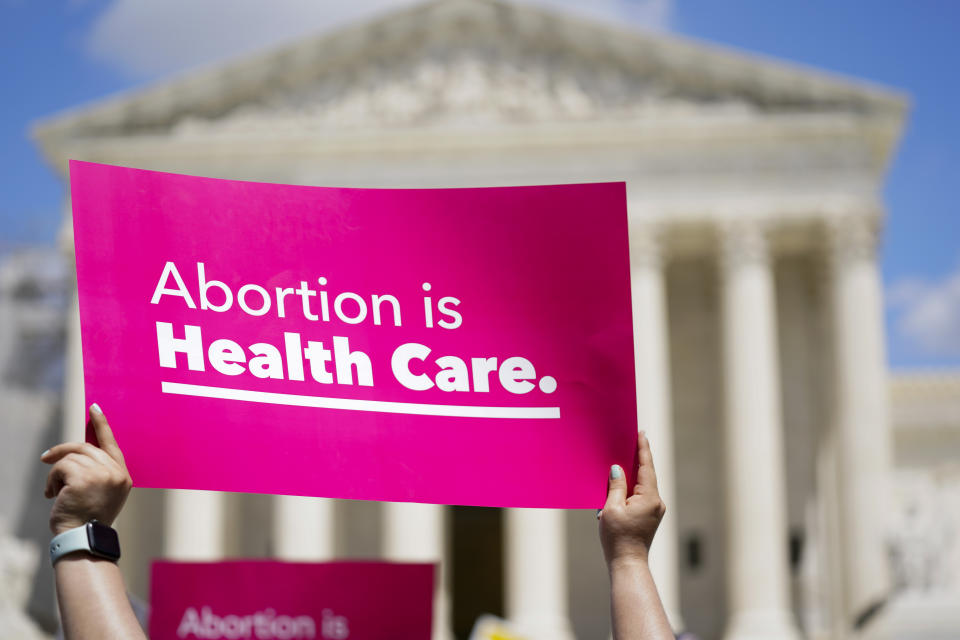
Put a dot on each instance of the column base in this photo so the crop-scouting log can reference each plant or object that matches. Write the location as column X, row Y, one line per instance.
column 441, row 616
column 674, row 618
column 759, row 624
column 543, row 628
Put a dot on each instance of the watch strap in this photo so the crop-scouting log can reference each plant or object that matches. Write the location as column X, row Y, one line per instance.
column 68, row 542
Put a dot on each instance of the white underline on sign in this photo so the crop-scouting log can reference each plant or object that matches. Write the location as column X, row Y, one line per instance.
column 380, row 406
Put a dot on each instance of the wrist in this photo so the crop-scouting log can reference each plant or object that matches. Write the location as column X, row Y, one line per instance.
column 629, row 562
column 65, row 522
column 66, row 525
column 82, row 559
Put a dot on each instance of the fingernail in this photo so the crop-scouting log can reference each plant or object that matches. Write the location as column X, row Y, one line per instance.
column 96, row 409
column 616, row 472
column 44, row 454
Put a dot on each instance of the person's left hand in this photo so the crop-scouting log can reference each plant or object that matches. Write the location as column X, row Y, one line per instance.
column 628, row 521
column 87, row 482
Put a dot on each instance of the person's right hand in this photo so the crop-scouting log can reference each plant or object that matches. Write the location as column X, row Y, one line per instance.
column 628, row 523
column 88, row 482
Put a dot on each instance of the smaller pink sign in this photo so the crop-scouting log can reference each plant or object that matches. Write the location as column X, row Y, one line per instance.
column 266, row 600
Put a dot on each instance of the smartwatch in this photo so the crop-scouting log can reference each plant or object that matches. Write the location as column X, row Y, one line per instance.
column 94, row 537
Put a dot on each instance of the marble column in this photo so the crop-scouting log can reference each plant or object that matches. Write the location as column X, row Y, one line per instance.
column 74, row 412
column 416, row 533
column 536, row 555
column 73, row 426
column 303, row 528
column 193, row 525
column 757, row 561
column 652, row 367
column 860, row 412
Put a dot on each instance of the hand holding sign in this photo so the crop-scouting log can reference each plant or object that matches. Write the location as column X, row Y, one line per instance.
column 629, row 520
column 88, row 482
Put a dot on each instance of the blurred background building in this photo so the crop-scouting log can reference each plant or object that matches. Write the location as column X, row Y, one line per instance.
column 809, row 496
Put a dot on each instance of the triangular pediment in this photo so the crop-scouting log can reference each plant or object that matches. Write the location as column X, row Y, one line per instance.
column 470, row 61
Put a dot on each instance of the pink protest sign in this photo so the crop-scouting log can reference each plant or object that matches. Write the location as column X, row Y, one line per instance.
column 455, row 346
column 292, row 601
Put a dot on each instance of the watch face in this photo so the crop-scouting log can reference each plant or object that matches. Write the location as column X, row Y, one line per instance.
column 103, row 540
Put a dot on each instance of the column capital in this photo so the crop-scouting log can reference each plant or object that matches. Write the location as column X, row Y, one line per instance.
column 646, row 245
column 743, row 242
column 853, row 236
column 65, row 233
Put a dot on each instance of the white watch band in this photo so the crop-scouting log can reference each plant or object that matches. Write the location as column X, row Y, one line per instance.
column 68, row 542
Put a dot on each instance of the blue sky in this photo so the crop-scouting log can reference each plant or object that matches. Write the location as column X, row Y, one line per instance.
column 60, row 54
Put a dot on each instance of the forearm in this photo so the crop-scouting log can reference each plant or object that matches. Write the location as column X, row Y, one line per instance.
column 93, row 601
column 636, row 610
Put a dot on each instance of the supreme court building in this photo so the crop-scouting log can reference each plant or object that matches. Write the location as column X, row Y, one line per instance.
column 754, row 202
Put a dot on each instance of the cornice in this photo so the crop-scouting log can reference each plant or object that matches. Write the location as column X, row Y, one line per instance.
column 925, row 385
column 677, row 144
column 925, row 400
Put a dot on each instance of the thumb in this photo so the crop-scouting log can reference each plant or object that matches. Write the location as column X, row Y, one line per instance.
column 101, row 429
column 616, row 487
